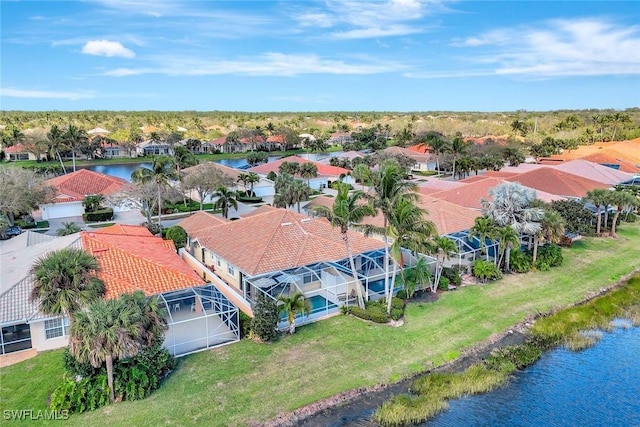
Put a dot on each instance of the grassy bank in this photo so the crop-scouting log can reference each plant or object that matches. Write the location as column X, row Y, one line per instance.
column 245, row 382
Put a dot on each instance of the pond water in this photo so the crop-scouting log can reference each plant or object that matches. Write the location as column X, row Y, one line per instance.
column 124, row 170
column 599, row 386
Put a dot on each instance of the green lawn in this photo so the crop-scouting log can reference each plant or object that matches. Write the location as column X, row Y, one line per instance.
column 245, row 382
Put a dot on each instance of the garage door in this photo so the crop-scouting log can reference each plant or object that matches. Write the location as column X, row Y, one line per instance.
column 62, row 210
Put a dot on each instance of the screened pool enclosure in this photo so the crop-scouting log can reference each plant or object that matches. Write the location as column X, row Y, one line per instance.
column 199, row 318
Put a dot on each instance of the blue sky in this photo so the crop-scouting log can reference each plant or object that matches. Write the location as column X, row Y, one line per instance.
column 342, row 55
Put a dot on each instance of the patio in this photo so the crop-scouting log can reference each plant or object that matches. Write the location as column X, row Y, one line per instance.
column 199, row 318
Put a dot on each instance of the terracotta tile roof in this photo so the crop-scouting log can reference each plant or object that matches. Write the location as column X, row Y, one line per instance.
column 433, row 185
column 471, row 194
column 276, row 239
column 131, row 259
column 496, row 174
column 76, row 185
column 409, row 153
column 607, row 158
column 554, row 181
column 323, row 170
column 218, row 141
column 200, row 221
column 276, row 139
column 231, row 172
column 18, row 148
column 419, row 148
column 446, row 217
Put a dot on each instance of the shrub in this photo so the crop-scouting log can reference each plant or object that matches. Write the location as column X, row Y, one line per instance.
column 630, row 217
column 265, row 321
column 154, row 228
column 486, row 270
column 178, row 235
column 402, row 294
column 99, row 215
column 272, row 176
column 245, row 324
column 519, row 261
column 443, row 283
column 248, row 199
column 549, row 254
column 397, row 303
column 373, row 314
column 453, row 275
column 397, row 313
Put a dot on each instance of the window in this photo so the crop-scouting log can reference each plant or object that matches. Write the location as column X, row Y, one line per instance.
column 218, row 261
column 55, row 328
column 230, row 270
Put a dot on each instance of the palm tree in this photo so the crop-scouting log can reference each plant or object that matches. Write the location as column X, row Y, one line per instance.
column 243, row 177
column 75, row 139
column 153, row 317
column 444, row 247
column 252, row 178
column 162, row 171
column 388, row 185
column 292, row 305
column 346, row 213
column 184, row 158
column 55, row 138
column 360, row 173
column 291, row 168
column 297, row 192
column 226, row 199
column 621, row 200
column 408, row 229
column 65, row 282
column 483, row 229
column 598, row 197
column 457, row 148
column 437, row 145
column 552, row 229
column 108, row 330
column 68, row 228
column 308, row 170
column 508, row 239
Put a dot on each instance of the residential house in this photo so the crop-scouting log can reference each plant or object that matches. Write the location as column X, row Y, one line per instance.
column 264, row 187
column 326, row 173
column 21, row 152
column 153, row 148
column 422, row 161
column 339, row 138
column 72, row 188
column 554, row 181
column 278, row 252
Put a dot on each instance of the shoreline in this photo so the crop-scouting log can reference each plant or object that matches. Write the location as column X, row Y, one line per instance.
column 339, row 409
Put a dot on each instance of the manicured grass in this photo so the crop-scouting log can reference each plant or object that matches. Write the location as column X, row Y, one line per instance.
column 245, row 382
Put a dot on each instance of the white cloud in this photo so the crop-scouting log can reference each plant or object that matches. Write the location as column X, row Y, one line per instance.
column 107, row 48
column 268, row 64
column 557, row 48
column 22, row 93
column 376, row 32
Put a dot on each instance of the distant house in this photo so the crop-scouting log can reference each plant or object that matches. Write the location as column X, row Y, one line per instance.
column 339, row 138
column 326, row 173
column 72, row 188
column 153, row 148
column 422, row 161
column 554, row 181
column 20, row 152
column 278, row 252
column 262, row 188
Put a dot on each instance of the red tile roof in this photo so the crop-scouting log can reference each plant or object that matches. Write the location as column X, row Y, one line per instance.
column 131, row 259
column 594, row 171
column 409, row 153
column 276, row 239
column 554, row 181
column 218, row 141
column 276, row 139
column 76, row 185
column 18, row 148
column 471, row 194
column 610, row 158
column 323, row 170
column 433, row 185
column 200, row 221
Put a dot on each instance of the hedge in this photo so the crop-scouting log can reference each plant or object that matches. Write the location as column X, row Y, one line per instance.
column 101, row 215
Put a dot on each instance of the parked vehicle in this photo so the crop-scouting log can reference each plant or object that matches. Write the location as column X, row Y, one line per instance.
column 12, row 231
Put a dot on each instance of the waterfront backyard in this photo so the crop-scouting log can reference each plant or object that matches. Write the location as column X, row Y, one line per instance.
column 247, row 381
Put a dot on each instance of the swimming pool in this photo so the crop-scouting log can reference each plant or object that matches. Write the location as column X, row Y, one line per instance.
column 319, row 305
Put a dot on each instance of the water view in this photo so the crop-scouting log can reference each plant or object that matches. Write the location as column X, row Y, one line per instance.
column 599, row 386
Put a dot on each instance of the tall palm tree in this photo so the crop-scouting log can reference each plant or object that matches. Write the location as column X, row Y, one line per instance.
column 226, row 200
column 347, row 212
column 75, row 139
column 308, row 170
column 483, row 229
column 437, row 145
column 621, row 200
column 108, row 330
column 388, row 185
column 161, row 173
column 65, row 282
column 252, row 178
column 153, row 317
column 184, row 158
column 292, row 305
column 551, row 230
column 55, row 138
column 68, row 228
column 444, row 248
column 360, row 173
column 243, row 177
column 458, row 147
column 508, row 239
column 597, row 197
column 409, row 229
column 298, row 192
column 291, row 168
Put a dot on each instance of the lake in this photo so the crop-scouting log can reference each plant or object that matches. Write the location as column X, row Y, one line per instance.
column 124, row 170
column 599, row 386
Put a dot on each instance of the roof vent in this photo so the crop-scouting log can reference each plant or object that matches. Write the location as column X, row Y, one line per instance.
column 306, row 220
column 285, row 223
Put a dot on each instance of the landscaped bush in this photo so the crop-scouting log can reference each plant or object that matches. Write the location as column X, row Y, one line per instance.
column 519, row 261
column 105, row 214
column 453, row 275
column 178, row 235
column 248, row 199
column 443, row 283
column 402, row 294
column 486, row 270
column 630, row 217
column 265, row 318
column 245, row 324
column 85, row 388
column 375, row 314
column 154, row 228
column 549, row 254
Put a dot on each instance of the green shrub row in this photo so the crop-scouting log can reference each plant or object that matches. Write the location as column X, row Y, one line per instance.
column 105, row 214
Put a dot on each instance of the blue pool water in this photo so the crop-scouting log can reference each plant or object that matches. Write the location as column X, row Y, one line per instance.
column 318, row 304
